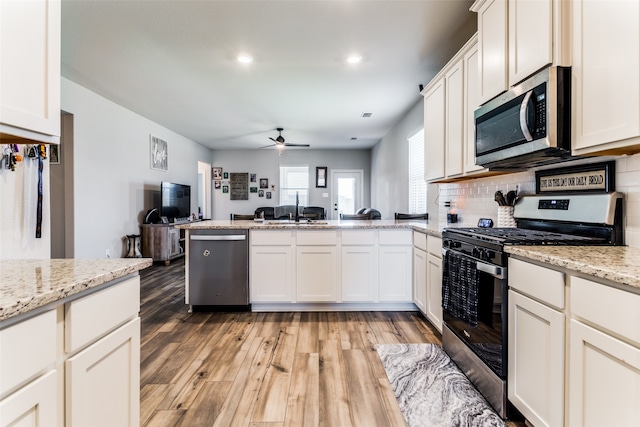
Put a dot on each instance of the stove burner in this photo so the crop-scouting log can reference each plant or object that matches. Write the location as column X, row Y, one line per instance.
column 521, row 236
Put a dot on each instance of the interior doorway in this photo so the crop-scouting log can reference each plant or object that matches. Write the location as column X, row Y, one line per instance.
column 346, row 191
column 204, row 189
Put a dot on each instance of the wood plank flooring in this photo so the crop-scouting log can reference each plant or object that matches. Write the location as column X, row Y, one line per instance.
column 264, row 369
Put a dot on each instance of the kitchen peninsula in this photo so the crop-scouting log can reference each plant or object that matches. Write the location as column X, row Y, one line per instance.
column 326, row 265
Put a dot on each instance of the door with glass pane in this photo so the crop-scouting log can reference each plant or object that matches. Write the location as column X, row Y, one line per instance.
column 346, row 192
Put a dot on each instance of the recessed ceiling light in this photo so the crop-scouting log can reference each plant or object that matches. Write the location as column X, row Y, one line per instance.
column 354, row 59
column 245, row 59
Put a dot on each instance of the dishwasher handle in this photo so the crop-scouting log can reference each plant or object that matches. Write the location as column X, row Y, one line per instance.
column 219, row 237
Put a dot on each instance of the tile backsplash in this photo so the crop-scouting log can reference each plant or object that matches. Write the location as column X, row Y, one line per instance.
column 474, row 198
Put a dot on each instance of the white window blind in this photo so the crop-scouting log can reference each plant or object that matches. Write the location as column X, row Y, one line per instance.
column 417, row 186
column 294, row 179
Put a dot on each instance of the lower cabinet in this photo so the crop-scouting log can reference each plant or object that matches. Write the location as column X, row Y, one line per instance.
column 103, row 381
column 395, row 265
column 536, row 360
column 33, row 405
column 358, row 278
column 434, row 290
column 317, row 274
column 271, row 274
column 420, row 279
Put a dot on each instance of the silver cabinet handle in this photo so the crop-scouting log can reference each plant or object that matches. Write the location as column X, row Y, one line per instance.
column 495, row 271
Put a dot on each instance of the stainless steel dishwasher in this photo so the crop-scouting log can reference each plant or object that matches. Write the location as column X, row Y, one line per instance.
column 219, row 269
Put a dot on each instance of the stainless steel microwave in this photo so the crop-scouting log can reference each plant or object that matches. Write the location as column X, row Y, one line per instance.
column 527, row 126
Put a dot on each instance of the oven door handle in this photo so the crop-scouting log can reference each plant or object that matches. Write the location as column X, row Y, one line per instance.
column 493, row 270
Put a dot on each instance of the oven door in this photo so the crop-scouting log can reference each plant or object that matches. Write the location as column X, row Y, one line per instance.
column 474, row 307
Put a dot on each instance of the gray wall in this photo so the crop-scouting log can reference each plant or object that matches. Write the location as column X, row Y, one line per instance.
column 389, row 164
column 266, row 164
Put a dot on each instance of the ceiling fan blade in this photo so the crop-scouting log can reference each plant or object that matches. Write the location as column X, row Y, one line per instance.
column 273, row 140
column 267, row 146
column 296, row 145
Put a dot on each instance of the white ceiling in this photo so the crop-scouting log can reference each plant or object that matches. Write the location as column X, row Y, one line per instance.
column 174, row 62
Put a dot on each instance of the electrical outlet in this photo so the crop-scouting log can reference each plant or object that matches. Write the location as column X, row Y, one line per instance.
column 108, row 253
column 447, row 204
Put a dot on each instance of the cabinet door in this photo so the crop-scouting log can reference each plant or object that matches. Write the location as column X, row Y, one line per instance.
column 434, row 132
column 103, row 381
column 606, row 75
column 471, row 103
column 30, row 69
column 530, row 37
column 604, row 379
column 536, row 360
column 358, row 273
column 454, row 117
column 271, row 274
column 492, row 39
column 35, row 404
column 434, row 290
column 420, row 279
column 395, row 273
column 317, row 274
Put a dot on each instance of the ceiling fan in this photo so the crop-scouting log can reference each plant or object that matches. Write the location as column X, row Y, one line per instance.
column 279, row 141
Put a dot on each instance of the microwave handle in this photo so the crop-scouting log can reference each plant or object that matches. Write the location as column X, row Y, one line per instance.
column 523, row 116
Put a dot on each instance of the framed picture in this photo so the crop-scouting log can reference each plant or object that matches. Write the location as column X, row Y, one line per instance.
column 217, row 184
column 261, row 193
column 225, row 175
column 264, row 183
column 225, row 188
column 321, row 177
column 253, row 177
column 159, row 154
column 590, row 178
column 216, row 173
column 253, row 189
column 54, row 154
column 268, row 194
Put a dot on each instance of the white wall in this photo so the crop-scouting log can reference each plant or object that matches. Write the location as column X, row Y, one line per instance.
column 266, row 164
column 389, row 164
column 114, row 184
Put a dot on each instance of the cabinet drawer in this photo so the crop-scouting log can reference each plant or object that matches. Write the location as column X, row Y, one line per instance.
column 420, row 240
column 270, row 238
column 434, row 246
column 91, row 317
column 613, row 309
column 358, row 237
column 538, row 282
column 395, row 237
column 319, row 237
column 28, row 348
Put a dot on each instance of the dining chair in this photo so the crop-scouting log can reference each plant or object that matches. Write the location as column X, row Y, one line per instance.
column 354, row 216
column 238, row 217
column 415, row 216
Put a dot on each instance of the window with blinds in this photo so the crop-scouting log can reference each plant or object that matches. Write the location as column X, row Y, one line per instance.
column 292, row 179
column 417, row 185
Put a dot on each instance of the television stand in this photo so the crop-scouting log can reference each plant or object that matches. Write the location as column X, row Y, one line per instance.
column 162, row 242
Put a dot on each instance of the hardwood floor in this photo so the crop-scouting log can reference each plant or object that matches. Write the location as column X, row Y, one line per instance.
column 264, row 369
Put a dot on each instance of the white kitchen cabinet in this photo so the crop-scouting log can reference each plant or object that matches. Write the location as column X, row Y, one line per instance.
column 30, row 69
column 420, row 279
column 434, row 290
column 395, row 265
column 536, row 360
column 471, row 103
column 272, row 266
column 604, row 379
column 517, row 38
column 317, row 275
column 358, row 266
column 434, row 130
column 606, row 77
column 454, row 119
column 536, row 343
column 33, row 405
column 492, row 47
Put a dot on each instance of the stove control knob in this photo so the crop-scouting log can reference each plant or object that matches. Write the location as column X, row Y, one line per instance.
column 489, row 254
column 454, row 245
column 477, row 253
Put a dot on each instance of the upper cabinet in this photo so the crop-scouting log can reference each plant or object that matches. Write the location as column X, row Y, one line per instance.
column 606, row 77
column 516, row 38
column 449, row 131
column 30, row 70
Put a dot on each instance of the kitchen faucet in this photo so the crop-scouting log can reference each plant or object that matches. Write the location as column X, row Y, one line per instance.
column 297, row 203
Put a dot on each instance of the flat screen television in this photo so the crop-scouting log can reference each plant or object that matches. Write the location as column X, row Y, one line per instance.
column 176, row 201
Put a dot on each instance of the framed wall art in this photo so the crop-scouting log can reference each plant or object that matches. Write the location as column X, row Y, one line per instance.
column 159, row 151
column 321, row 177
column 216, row 173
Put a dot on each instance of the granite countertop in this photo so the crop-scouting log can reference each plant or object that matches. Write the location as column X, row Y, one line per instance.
column 423, row 226
column 620, row 264
column 33, row 283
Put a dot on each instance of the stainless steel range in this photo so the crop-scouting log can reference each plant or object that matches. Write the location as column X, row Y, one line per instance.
column 475, row 277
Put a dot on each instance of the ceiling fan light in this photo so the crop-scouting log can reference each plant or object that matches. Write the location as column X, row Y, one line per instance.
column 354, row 59
column 245, row 59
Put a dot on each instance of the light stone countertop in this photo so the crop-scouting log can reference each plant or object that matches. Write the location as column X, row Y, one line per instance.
column 29, row 284
column 422, row 226
column 619, row 264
